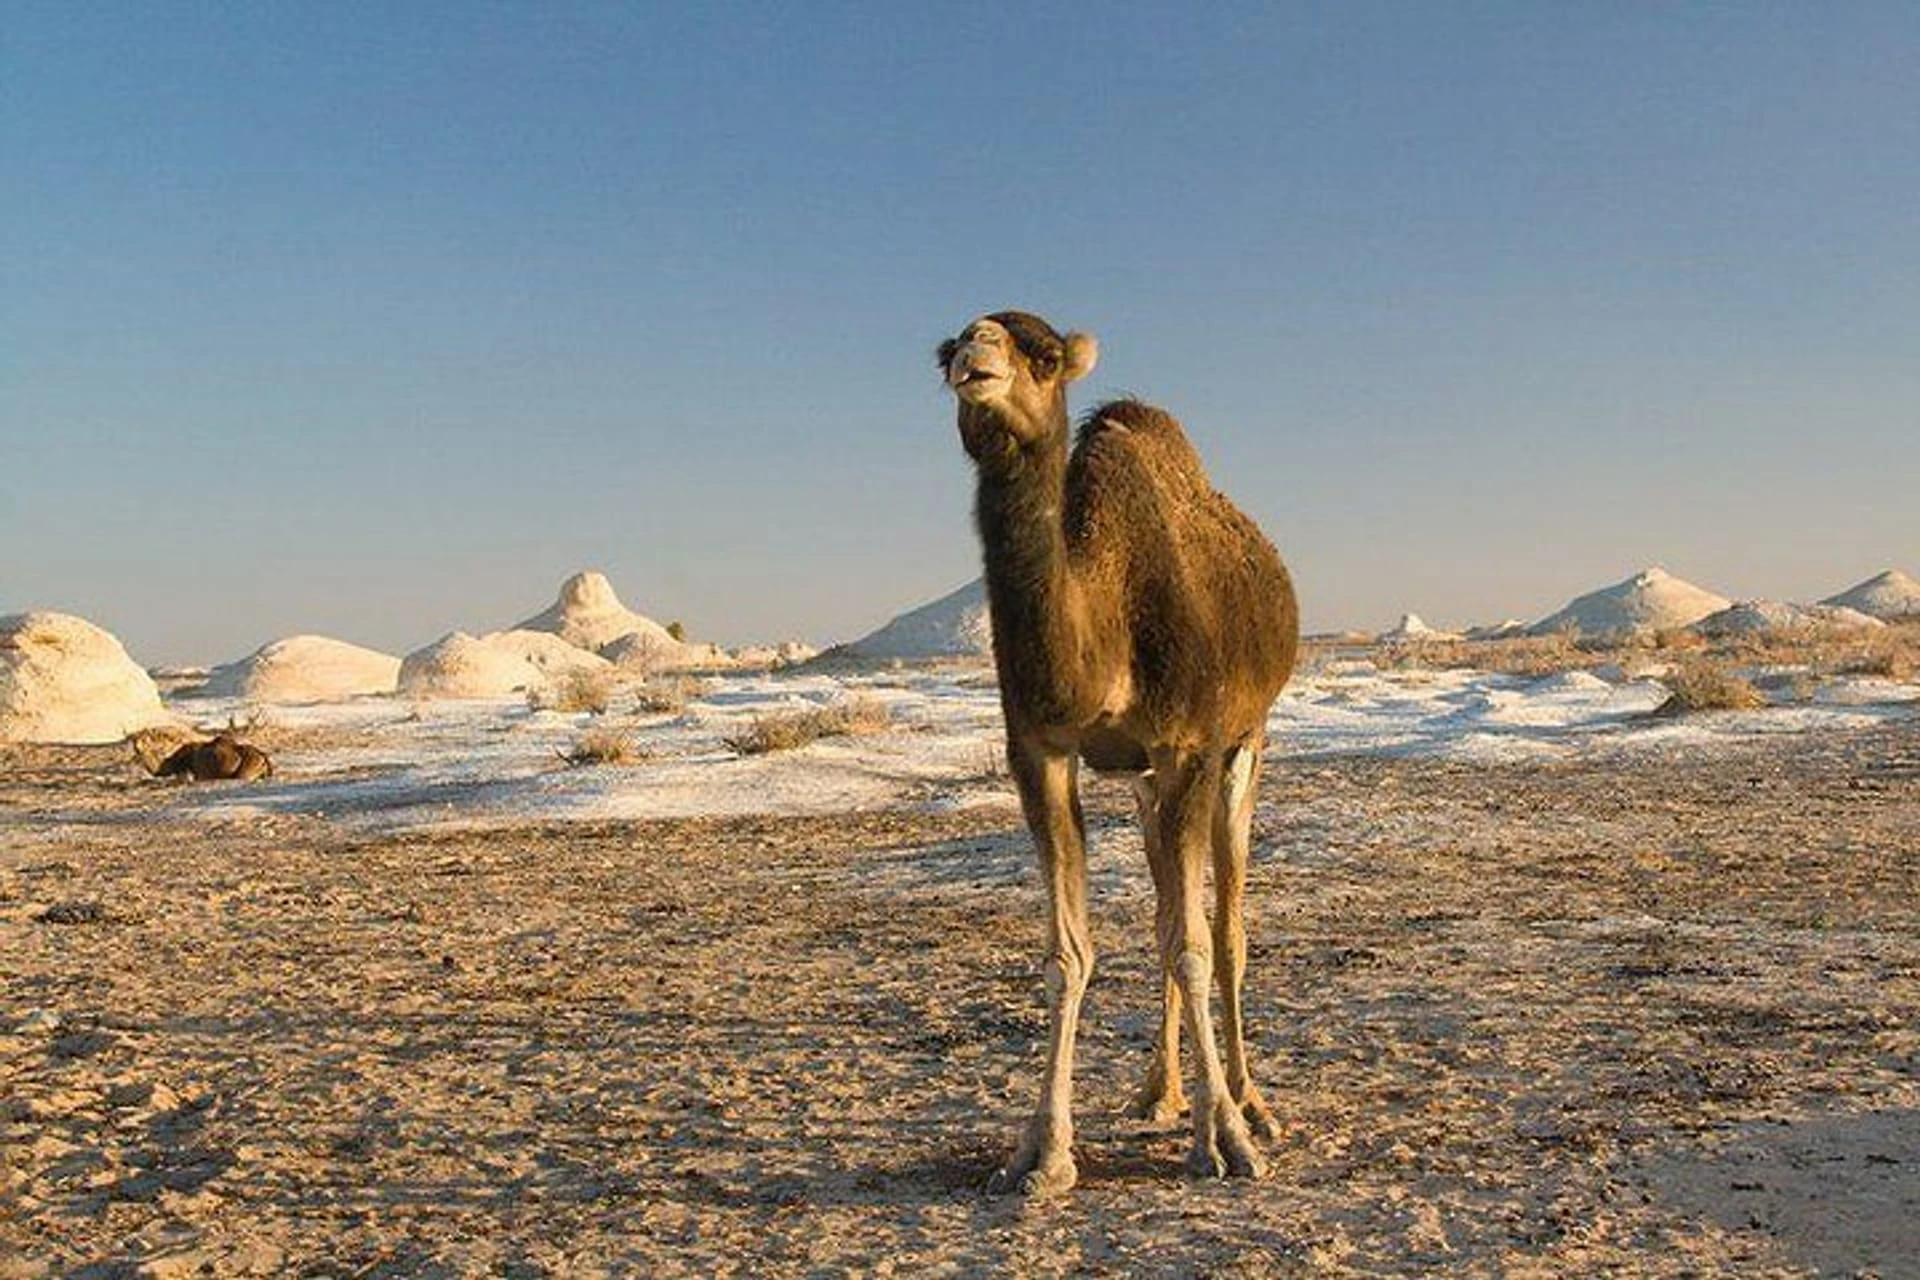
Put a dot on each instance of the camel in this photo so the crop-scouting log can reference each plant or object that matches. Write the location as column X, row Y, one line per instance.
column 1143, row 625
column 224, row 757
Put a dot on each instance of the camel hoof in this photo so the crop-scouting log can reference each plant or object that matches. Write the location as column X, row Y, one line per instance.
column 1049, row 1179
column 1210, row 1164
column 1227, row 1151
column 1204, row 1164
column 1260, row 1121
column 1160, row 1109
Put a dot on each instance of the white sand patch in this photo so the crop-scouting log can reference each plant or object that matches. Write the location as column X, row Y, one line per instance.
column 492, row 760
column 302, row 669
column 1889, row 595
column 1652, row 600
column 62, row 679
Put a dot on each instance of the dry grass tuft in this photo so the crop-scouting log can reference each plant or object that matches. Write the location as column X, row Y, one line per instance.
column 1707, row 684
column 605, row 746
column 1514, row 656
column 589, row 691
column 1893, row 653
column 669, row 694
column 788, row 730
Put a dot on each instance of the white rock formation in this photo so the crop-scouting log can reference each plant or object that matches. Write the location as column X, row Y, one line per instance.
column 1650, row 601
column 301, row 669
column 501, row 662
column 642, row 651
column 787, row 653
column 954, row 626
column 1762, row 617
column 589, row 615
column 1412, row 627
column 1888, row 596
column 62, row 679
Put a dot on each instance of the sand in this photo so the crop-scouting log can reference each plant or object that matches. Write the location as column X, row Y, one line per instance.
column 1523, row 1019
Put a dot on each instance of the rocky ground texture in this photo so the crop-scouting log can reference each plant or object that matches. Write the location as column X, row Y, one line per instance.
column 1624, row 1016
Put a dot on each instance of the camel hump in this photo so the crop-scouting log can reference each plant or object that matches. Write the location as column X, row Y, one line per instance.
column 1143, row 428
column 1131, row 415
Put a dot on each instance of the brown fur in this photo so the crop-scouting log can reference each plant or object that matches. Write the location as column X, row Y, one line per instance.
column 1142, row 623
column 222, row 758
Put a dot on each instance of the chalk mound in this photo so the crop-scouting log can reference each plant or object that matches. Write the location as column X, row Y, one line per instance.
column 642, row 651
column 1652, row 600
column 954, row 626
column 458, row 665
column 1412, row 627
column 1506, row 630
column 787, row 653
column 62, row 679
column 1887, row 596
column 306, row 669
column 1772, row 617
column 589, row 615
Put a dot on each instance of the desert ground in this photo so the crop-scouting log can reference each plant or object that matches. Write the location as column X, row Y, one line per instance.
column 1580, row 1011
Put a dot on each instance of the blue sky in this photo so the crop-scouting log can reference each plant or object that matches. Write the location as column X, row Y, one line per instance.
column 378, row 320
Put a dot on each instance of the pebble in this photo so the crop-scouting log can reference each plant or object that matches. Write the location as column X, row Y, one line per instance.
column 40, row 1022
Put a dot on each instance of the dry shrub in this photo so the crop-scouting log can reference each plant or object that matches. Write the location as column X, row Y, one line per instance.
column 1513, row 656
column 787, row 730
column 589, row 691
column 1892, row 653
column 1707, row 684
column 604, row 746
column 1421, row 655
column 669, row 694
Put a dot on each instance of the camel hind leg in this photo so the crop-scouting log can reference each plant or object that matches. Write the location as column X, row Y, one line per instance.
column 1188, row 799
column 1232, row 846
column 1161, row 1098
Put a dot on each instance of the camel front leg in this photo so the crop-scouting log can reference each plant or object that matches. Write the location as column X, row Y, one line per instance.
column 1043, row 1161
column 1232, row 844
column 1189, row 785
column 1161, row 1099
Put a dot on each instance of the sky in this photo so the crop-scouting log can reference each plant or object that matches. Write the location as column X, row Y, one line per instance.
column 379, row 320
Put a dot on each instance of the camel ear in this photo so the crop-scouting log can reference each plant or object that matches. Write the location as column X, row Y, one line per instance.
column 1083, row 352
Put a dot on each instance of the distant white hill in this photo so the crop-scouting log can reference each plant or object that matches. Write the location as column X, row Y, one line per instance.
column 588, row 615
column 1761, row 617
column 1650, row 601
column 62, row 679
column 462, row 666
column 1412, row 627
column 306, row 669
column 954, row 626
column 1886, row 596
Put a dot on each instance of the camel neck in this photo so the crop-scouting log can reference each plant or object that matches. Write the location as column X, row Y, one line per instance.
column 1030, row 585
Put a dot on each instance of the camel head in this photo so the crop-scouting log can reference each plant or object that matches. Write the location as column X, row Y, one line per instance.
column 1009, row 371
